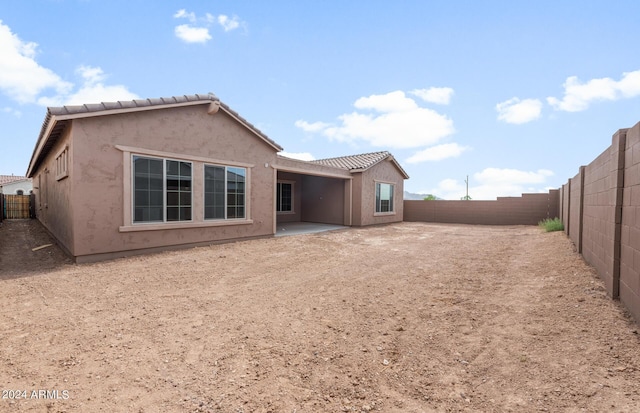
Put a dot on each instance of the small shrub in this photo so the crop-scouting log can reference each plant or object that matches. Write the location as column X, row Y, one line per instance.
column 550, row 225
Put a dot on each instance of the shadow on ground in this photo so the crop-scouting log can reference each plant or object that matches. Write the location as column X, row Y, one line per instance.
column 18, row 238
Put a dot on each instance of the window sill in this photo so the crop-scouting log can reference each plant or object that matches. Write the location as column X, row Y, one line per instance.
column 182, row 225
column 383, row 214
column 286, row 212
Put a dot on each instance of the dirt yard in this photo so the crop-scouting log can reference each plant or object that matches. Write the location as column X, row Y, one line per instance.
column 402, row 318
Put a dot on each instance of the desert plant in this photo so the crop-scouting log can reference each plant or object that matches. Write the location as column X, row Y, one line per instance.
column 550, row 225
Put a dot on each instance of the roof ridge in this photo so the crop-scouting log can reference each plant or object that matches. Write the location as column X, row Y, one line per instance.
column 355, row 162
column 360, row 162
column 351, row 156
column 129, row 104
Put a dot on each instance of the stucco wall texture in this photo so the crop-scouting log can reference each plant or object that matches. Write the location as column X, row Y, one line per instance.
column 54, row 206
column 529, row 209
column 339, row 196
column 602, row 206
column 90, row 209
column 87, row 211
column 364, row 208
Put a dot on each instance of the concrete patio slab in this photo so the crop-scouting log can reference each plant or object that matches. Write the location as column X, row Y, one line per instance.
column 297, row 228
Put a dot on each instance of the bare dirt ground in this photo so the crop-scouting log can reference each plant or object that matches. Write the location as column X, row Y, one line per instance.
column 410, row 317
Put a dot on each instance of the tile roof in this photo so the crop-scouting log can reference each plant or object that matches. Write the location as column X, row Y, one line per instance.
column 56, row 118
column 129, row 104
column 361, row 161
column 5, row 179
column 149, row 103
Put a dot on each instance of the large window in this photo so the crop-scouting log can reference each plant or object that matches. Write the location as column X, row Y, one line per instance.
column 162, row 190
column 384, row 197
column 284, row 197
column 224, row 192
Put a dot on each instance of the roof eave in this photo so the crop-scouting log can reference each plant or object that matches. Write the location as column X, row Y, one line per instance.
column 85, row 111
column 47, row 126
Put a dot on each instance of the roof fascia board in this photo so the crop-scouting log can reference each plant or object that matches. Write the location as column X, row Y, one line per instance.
column 43, row 139
column 310, row 172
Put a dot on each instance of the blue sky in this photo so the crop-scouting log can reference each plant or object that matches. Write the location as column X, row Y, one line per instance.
column 516, row 95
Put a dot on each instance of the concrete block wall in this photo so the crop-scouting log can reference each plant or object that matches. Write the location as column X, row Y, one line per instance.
column 529, row 209
column 574, row 217
column 599, row 242
column 629, row 280
column 564, row 206
column 601, row 210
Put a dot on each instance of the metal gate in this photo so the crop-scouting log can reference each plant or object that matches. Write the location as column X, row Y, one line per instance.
column 16, row 206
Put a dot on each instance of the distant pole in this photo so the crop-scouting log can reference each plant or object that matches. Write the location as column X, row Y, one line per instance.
column 466, row 181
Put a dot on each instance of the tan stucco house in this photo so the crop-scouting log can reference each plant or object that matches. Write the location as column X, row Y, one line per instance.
column 116, row 179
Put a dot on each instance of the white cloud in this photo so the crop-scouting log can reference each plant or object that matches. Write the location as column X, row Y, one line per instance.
column 99, row 93
column 11, row 111
column 438, row 153
column 183, row 14
column 197, row 30
column 91, row 75
column 513, row 176
column 578, row 96
column 311, row 127
column 439, row 95
column 190, row 34
column 491, row 183
column 25, row 81
column 391, row 120
column 518, row 111
column 227, row 23
column 451, row 189
column 93, row 90
column 303, row 156
column 388, row 103
column 21, row 77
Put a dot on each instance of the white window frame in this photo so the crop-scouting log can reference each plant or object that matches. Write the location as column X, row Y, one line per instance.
column 293, row 208
column 164, row 190
column 226, row 189
column 198, row 221
column 393, row 200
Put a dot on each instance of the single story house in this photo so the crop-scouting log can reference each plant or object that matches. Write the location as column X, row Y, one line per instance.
column 122, row 178
column 15, row 185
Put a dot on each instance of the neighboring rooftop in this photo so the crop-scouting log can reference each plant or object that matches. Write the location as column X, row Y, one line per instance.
column 6, row 179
